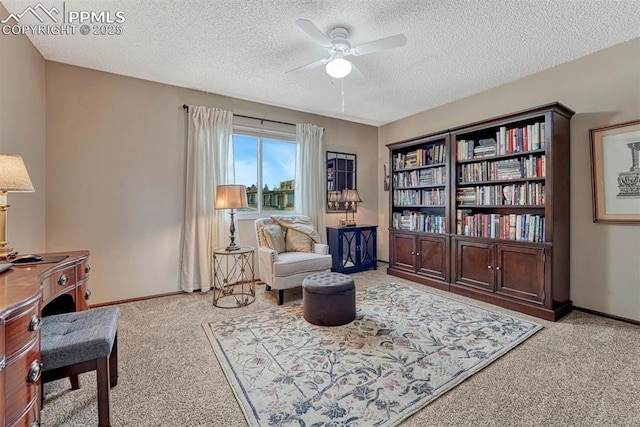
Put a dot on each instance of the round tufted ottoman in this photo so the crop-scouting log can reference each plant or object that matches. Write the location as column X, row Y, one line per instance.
column 328, row 299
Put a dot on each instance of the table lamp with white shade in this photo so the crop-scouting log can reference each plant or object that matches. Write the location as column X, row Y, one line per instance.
column 231, row 197
column 13, row 178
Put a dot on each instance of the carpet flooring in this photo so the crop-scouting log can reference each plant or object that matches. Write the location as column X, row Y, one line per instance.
column 405, row 348
column 581, row 371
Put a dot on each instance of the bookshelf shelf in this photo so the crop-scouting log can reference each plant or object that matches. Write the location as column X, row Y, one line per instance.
column 504, row 221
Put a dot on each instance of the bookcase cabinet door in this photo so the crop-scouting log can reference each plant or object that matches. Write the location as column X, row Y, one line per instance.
column 474, row 264
column 403, row 251
column 433, row 257
column 520, row 272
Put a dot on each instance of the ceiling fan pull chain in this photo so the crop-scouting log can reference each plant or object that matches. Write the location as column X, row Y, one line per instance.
column 342, row 93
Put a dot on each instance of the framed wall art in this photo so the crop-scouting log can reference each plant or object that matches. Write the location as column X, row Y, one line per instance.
column 615, row 169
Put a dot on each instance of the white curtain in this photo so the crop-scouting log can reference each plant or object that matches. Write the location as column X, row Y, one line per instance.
column 209, row 163
column 310, row 172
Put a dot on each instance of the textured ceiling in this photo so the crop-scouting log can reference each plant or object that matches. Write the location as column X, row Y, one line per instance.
column 242, row 49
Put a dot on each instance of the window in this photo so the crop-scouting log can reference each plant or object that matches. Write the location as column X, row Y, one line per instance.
column 266, row 165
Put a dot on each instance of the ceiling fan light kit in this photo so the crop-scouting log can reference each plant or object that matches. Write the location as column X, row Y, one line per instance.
column 338, row 68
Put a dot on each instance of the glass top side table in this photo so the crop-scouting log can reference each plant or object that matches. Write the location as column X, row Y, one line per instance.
column 234, row 283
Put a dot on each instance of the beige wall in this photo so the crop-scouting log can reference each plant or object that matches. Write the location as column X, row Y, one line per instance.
column 22, row 131
column 116, row 165
column 603, row 89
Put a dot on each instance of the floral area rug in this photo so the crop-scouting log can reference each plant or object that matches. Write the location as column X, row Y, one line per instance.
column 405, row 348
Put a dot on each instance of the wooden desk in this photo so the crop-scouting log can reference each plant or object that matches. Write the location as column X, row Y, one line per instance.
column 25, row 291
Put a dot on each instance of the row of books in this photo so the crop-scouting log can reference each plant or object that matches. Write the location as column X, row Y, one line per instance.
column 517, row 140
column 422, row 177
column 418, row 221
column 431, row 197
column 507, row 141
column 421, row 157
column 524, row 227
column 528, row 193
column 528, row 167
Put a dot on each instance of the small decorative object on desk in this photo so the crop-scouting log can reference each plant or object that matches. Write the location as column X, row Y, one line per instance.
column 233, row 277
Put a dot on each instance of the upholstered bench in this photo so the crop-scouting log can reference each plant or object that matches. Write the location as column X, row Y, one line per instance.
column 83, row 341
column 328, row 299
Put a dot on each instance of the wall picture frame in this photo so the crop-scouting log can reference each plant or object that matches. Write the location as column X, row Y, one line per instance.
column 615, row 171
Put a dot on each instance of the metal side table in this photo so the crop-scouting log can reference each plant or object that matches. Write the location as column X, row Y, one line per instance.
column 234, row 283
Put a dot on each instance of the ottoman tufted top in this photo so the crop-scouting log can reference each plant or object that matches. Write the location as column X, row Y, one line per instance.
column 327, row 283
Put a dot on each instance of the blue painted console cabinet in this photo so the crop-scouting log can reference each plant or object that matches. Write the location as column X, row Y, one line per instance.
column 353, row 248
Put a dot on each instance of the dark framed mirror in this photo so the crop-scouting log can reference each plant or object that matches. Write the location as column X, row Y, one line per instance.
column 341, row 175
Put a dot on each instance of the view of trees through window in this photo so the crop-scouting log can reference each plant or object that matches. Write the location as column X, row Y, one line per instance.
column 267, row 167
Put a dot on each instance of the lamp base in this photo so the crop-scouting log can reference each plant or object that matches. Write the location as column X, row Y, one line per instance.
column 7, row 253
column 231, row 248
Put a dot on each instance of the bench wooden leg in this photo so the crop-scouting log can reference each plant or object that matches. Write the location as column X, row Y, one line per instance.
column 75, row 382
column 113, row 363
column 102, row 370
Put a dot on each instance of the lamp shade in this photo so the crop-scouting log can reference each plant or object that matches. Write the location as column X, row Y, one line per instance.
column 13, row 174
column 231, row 197
column 351, row 195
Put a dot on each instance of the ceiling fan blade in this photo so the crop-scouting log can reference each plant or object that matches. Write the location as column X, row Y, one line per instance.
column 357, row 76
column 313, row 32
column 391, row 42
column 313, row 64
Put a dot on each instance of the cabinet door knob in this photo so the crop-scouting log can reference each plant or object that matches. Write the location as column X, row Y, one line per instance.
column 87, row 294
column 87, row 269
column 413, row 253
column 34, row 372
column 35, row 323
column 490, row 267
column 418, row 253
column 63, row 280
column 498, row 267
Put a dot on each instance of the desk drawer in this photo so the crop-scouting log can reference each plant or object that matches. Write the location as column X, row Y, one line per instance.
column 21, row 390
column 58, row 283
column 22, row 327
column 31, row 416
column 82, row 270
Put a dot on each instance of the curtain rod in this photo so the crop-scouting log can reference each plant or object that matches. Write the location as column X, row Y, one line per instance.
column 186, row 107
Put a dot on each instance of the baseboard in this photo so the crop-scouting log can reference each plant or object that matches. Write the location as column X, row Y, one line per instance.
column 123, row 301
column 608, row 316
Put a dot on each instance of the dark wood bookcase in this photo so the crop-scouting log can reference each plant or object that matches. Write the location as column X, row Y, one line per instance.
column 483, row 210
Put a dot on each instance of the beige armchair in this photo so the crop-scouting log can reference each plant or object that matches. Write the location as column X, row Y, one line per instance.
column 280, row 267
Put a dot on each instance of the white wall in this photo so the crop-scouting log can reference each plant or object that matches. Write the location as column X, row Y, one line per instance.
column 22, row 131
column 603, row 89
column 116, row 165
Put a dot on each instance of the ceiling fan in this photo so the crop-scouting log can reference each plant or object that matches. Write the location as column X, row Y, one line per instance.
column 338, row 47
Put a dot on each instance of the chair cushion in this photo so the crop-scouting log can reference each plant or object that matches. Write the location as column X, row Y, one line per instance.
column 274, row 237
column 70, row 338
column 290, row 263
column 296, row 241
column 327, row 283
